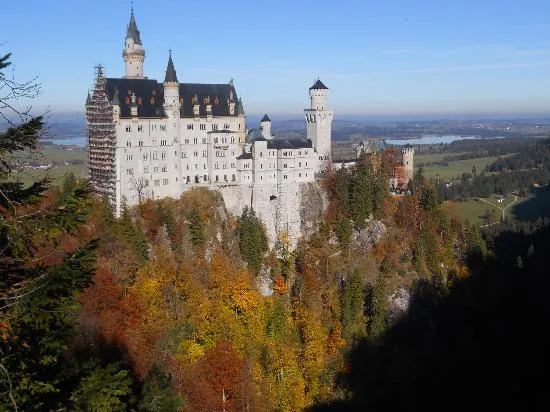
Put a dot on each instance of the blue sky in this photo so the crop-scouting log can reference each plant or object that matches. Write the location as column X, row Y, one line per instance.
column 421, row 57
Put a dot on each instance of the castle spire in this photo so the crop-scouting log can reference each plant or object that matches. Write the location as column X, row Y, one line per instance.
column 132, row 32
column 171, row 75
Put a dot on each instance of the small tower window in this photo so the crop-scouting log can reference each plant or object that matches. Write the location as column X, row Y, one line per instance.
column 152, row 101
column 216, row 101
column 181, row 100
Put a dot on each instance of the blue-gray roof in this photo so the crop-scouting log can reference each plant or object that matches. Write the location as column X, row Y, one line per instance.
column 171, row 75
column 132, row 32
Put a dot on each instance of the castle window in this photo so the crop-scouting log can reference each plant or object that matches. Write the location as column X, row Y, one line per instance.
column 203, row 126
column 183, row 154
column 140, row 143
column 233, row 178
column 261, row 166
column 157, row 182
column 205, row 101
column 216, row 101
column 130, row 171
column 155, row 156
column 215, row 140
column 140, row 128
column 129, row 157
column 214, row 126
column 226, row 126
column 284, row 176
column 186, row 141
column 225, row 177
column 163, row 128
column 146, row 169
column 204, row 140
column 163, row 169
column 164, row 181
column 145, row 156
column 196, row 154
column 129, row 143
column 216, row 178
column 163, row 142
column 163, row 155
column 232, row 139
column 204, row 166
column 299, row 164
column 195, row 140
column 204, row 153
column 260, row 154
column 152, row 100
column 189, row 127
column 140, row 101
column 205, row 178
column 128, row 128
column 181, row 100
column 147, row 182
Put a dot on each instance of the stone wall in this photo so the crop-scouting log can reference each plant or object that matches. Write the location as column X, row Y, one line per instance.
column 293, row 208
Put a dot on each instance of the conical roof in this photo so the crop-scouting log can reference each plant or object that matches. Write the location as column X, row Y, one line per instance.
column 318, row 85
column 132, row 32
column 240, row 108
column 265, row 118
column 170, row 71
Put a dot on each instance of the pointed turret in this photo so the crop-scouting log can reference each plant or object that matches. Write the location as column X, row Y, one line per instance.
column 88, row 99
column 240, row 108
column 318, row 85
column 171, row 75
column 132, row 31
column 265, row 126
column 133, row 53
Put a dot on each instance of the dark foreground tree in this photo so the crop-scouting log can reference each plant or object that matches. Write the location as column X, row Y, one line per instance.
column 47, row 257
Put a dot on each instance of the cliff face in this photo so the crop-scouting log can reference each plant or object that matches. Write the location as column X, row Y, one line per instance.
column 292, row 208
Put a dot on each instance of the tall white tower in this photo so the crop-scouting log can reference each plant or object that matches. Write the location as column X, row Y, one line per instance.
column 319, row 120
column 133, row 53
column 265, row 125
column 172, row 99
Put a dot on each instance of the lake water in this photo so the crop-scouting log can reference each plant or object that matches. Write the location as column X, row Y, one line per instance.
column 78, row 141
column 429, row 140
column 82, row 140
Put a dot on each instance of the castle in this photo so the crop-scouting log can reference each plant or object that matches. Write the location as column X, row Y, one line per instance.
column 153, row 140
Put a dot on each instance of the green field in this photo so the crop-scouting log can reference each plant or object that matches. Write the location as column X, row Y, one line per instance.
column 46, row 155
column 432, row 157
column 524, row 208
column 455, row 169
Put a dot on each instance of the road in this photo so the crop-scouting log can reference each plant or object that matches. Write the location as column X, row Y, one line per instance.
column 499, row 208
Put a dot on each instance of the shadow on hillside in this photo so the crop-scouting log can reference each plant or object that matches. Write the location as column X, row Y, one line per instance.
column 536, row 206
column 480, row 345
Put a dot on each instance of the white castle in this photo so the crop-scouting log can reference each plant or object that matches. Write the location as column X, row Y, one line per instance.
column 153, row 140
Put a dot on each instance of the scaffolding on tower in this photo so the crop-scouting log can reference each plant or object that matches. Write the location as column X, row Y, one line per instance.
column 101, row 139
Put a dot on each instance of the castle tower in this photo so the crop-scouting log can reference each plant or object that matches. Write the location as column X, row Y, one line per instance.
column 408, row 161
column 172, row 97
column 319, row 120
column 265, row 125
column 133, row 53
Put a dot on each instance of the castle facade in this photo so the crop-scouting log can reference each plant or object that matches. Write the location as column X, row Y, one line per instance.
column 152, row 140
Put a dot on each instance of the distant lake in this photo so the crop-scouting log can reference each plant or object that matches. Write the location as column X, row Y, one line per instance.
column 78, row 141
column 429, row 140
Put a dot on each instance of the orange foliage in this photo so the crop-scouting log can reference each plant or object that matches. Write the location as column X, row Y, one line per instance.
column 279, row 285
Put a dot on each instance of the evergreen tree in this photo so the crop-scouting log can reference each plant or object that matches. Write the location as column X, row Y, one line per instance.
column 157, row 393
column 353, row 306
column 361, row 192
column 252, row 239
column 196, row 227
column 376, row 308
